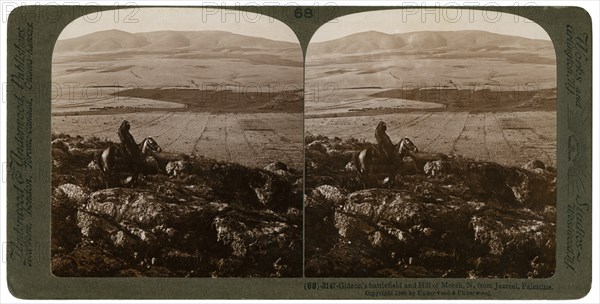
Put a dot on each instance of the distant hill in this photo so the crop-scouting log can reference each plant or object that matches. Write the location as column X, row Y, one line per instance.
column 373, row 41
column 117, row 40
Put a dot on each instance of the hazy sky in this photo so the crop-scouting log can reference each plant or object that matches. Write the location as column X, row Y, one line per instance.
column 412, row 20
column 388, row 21
column 180, row 19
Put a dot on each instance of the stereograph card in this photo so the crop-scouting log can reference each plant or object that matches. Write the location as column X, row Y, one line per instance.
column 322, row 152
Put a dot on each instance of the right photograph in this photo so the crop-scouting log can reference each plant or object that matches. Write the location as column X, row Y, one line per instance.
column 430, row 146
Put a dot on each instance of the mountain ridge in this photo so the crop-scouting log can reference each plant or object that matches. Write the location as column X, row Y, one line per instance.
column 119, row 40
column 371, row 41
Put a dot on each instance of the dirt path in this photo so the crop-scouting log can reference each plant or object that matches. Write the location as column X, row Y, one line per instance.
column 471, row 141
column 213, row 140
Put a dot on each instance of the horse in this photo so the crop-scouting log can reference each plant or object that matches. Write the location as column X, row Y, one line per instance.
column 370, row 160
column 112, row 157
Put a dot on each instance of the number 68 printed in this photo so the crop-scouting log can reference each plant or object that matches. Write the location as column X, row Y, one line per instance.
column 328, row 15
column 303, row 13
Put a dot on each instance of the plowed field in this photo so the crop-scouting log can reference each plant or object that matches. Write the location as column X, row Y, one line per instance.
column 509, row 138
column 249, row 139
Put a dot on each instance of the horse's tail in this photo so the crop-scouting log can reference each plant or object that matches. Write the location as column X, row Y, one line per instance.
column 105, row 162
column 107, row 159
column 360, row 161
column 360, row 158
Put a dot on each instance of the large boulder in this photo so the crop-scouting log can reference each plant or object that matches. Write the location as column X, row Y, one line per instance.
column 66, row 199
column 134, row 219
column 266, row 241
column 142, row 207
column 506, row 234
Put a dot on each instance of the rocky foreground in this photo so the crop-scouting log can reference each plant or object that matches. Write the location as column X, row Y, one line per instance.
column 444, row 216
column 194, row 217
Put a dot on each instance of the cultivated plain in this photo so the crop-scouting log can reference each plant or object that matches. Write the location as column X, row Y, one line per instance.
column 211, row 93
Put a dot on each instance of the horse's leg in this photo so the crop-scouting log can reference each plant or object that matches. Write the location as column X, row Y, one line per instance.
column 112, row 172
column 390, row 182
column 109, row 178
column 366, row 181
column 395, row 165
column 106, row 175
column 138, row 169
column 135, row 175
column 359, row 167
column 368, row 167
column 359, row 177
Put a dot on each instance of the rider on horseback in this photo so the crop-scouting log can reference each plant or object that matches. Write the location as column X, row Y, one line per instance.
column 129, row 146
column 384, row 143
column 383, row 159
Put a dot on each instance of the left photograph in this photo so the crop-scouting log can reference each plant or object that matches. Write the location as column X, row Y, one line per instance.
column 177, row 145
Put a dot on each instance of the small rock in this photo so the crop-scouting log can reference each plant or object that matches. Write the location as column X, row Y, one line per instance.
column 122, row 240
column 264, row 192
column 276, row 167
column 75, row 195
column 435, row 168
column 294, row 214
column 317, row 146
column 330, row 193
column 533, row 165
column 59, row 155
column 60, row 144
column 93, row 165
column 379, row 240
column 177, row 168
